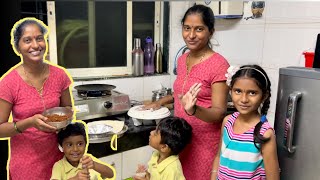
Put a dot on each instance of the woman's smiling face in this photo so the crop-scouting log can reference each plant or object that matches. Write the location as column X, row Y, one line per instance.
column 195, row 33
column 32, row 45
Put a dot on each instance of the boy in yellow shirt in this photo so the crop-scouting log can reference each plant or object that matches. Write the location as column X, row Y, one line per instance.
column 75, row 165
column 169, row 139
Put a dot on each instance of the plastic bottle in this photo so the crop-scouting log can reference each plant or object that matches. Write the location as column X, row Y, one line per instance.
column 158, row 58
column 137, row 58
column 149, row 57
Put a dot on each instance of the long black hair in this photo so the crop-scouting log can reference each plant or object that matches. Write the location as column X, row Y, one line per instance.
column 263, row 82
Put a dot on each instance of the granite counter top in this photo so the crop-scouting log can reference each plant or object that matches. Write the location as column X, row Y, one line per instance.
column 135, row 137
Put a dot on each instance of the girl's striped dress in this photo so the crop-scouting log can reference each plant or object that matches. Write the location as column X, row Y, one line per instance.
column 239, row 158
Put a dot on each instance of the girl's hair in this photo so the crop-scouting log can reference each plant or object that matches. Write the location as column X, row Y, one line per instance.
column 205, row 12
column 262, row 80
column 20, row 27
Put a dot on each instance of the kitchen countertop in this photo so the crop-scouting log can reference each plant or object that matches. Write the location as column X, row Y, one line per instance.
column 135, row 137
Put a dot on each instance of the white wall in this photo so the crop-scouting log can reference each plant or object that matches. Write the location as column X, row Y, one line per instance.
column 275, row 40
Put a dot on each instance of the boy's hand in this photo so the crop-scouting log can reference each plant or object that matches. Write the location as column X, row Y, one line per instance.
column 87, row 162
column 82, row 175
column 141, row 168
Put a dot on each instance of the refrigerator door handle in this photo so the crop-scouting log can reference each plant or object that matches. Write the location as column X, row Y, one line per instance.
column 290, row 120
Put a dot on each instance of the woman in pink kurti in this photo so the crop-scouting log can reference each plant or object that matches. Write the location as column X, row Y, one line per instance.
column 200, row 92
column 26, row 91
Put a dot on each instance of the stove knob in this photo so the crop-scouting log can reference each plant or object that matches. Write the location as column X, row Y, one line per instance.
column 107, row 104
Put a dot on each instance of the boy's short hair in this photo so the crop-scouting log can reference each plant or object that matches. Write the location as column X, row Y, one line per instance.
column 175, row 132
column 72, row 129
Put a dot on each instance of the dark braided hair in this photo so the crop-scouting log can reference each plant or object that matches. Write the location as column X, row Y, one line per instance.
column 263, row 82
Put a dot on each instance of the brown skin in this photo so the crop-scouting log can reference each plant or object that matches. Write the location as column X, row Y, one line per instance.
column 163, row 149
column 247, row 97
column 31, row 47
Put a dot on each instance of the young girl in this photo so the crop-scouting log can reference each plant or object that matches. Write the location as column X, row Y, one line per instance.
column 248, row 144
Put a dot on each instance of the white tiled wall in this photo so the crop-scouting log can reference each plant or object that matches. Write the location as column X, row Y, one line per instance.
column 275, row 40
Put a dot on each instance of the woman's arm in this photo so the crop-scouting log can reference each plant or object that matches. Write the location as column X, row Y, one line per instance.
column 157, row 104
column 219, row 100
column 216, row 161
column 9, row 129
column 270, row 157
column 65, row 99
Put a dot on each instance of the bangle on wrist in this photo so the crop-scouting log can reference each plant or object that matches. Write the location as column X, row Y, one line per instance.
column 194, row 112
column 16, row 128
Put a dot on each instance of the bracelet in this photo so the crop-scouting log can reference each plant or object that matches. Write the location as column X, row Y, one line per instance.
column 16, row 128
column 194, row 112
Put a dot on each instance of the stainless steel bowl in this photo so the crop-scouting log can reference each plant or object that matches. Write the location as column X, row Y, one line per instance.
column 108, row 137
column 59, row 111
column 96, row 131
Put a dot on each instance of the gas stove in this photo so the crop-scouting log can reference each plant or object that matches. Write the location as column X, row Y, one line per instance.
column 105, row 105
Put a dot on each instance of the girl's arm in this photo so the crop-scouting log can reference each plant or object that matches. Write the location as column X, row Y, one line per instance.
column 216, row 161
column 270, row 157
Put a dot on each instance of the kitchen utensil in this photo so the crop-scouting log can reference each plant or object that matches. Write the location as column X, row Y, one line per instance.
column 97, row 131
column 61, row 111
column 94, row 90
column 108, row 138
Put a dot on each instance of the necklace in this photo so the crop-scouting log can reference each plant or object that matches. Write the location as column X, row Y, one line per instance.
column 189, row 69
column 188, row 59
column 42, row 72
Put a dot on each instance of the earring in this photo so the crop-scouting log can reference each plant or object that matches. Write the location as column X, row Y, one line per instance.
column 60, row 148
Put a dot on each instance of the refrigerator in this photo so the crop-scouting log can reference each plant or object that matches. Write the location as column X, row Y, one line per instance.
column 297, row 123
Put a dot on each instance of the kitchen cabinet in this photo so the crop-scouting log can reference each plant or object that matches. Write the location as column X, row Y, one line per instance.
column 131, row 159
column 126, row 163
column 114, row 160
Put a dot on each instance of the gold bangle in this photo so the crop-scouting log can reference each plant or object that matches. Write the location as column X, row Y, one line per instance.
column 16, row 128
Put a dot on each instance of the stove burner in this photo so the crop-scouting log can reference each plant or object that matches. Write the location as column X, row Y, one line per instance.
column 87, row 94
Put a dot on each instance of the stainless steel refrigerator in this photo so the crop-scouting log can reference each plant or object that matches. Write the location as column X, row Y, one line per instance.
column 297, row 123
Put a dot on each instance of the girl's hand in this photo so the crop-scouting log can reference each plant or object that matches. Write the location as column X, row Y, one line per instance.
column 38, row 121
column 87, row 162
column 189, row 99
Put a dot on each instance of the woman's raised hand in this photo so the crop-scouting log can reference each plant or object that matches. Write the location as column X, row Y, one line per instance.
column 189, row 99
column 38, row 121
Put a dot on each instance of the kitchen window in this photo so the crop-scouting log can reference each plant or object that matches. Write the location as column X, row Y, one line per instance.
column 95, row 38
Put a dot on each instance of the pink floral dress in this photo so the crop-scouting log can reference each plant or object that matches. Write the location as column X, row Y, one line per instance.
column 33, row 152
column 197, row 157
